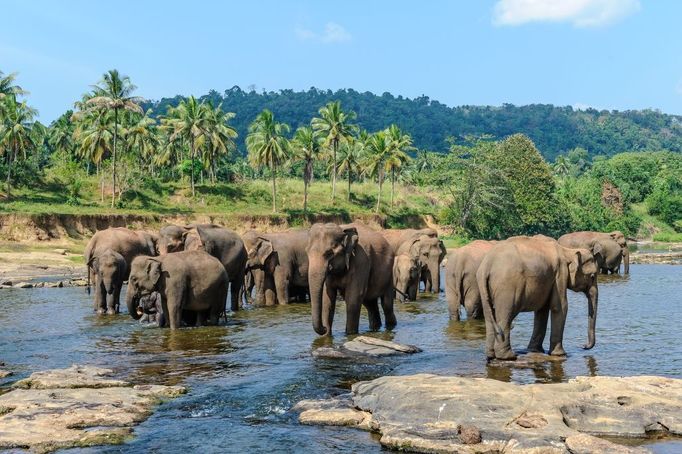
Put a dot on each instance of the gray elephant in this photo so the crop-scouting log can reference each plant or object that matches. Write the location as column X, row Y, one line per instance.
column 103, row 256
column 406, row 273
column 221, row 243
column 353, row 261
column 190, row 281
column 461, row 287
column 525, row 274
column 613, row 248
column 424, row 245
column 283, row 262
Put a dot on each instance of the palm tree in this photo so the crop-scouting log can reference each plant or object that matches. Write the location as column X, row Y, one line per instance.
column 350, row 156
column 562, row 166
column 94, row 140
column 306, row 146
column 189, row 123
column 142, row 135
column 114, row 93
column 60, row 134
column 221, row 136
column 17, row 136
column 7, row 86
column 267, row 146
column 336, row 126
column 377, row 151
column 399, row 144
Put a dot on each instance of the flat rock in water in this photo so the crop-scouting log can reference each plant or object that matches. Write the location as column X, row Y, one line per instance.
column 23, row 285
column 78, row 406
column 365, row 346
column 430, row 413
column 5, row 373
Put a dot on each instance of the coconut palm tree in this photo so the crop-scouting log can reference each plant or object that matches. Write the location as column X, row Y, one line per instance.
column 188, row 123
column 94, row 139
column 8, row 87
column 60, row 134
column 562, row 166
column 350, row 157
column 114, row 93
column 399, row 144
column 374, row 164
column 335, row 125
column 221, row 137
column 268, row 146
column 17, row 137
column 306, row 147
column 142, row 135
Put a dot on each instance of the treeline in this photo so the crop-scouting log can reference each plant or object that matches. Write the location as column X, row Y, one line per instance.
column 555, row 130
column 481, row 187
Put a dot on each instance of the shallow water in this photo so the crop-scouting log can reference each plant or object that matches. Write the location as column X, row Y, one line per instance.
column 245, row 377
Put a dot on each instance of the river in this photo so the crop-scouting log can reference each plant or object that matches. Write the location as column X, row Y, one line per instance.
column 244, row 377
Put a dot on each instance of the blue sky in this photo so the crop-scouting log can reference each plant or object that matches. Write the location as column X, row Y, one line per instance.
column 613, row 54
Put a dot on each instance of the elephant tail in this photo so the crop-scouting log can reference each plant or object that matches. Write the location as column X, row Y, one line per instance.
column 488, row 310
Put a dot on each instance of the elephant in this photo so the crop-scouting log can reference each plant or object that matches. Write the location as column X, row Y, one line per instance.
column 406, row 273
column 461, row 288
column 614, row 248
column 222, row 243
column 356, row 262
column 426, row 247
column 524, row 274
column 107, row 269
column 283, row 262
column 191, row 281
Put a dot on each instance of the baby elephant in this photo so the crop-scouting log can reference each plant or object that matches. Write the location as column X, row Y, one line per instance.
column 190, row 281
column 109, row 270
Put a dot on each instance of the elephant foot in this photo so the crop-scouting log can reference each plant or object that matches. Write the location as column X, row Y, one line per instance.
column 506, row 356
column 558, row 351
column 536, row 349
column 111, row 311
column 101, row 311
column 391, row 322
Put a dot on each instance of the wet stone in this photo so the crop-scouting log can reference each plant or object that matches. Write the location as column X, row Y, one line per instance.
column 365, row 346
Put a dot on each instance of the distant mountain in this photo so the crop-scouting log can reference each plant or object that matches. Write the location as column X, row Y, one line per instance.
column 554, row 129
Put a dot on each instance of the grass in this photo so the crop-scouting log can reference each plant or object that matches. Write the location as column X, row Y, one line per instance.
column 668, row 237
column 653, row 228
column 451, row 242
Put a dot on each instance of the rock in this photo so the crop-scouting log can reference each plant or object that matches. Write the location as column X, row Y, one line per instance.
column 365, row 346
column 78, row 406
column 430, row 413
column 54, row 284
column 5, row 373
column 23, row 285
column 60, row 251
column 78, row 283
column 8, row 283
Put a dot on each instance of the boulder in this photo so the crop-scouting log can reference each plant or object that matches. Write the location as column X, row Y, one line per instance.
column 5, row 373
column 78, row 406
column 430, row 413
column 23, row 285
column 365, row 346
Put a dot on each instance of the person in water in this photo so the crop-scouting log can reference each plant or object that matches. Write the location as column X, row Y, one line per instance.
column 150, row 308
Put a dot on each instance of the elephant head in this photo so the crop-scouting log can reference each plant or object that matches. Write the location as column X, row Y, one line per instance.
column 145, row 273
column 619, row 238
column 406, row 271
column 110, row 269
column 171, row 239
column 330, row 248
column 260, row 253
column 582, row 277
column 430, row 251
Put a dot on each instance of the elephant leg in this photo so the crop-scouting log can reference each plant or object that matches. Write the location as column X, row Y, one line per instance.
column 117, row 298
column 412, row 291
column 175, row 295
column 387, row 306
column 235, row 291
column 504, row 314
column 329, row 308
column 489, row 339
column 282, row 289
column 559, row 313
column 201, row 319
column 100, row 297
column 373, row 314
column 539, row 330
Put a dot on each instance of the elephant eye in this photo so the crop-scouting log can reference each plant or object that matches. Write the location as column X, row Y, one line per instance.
column 329, row 253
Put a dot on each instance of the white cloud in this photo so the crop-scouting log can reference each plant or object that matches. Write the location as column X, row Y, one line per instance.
column 332, row 33
column 580, row 13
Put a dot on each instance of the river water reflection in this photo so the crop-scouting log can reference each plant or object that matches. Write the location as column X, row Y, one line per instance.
column 245, row 377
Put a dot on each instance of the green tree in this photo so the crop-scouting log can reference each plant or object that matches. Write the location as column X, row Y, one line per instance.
column 562, row 166
column 336, row 126
column 142, row 136
column 399, row 144
column 114, row 93
column 221, row 137
column 94, row 139
column 306, row 146
column 350, row 158
column 8, row 87
column 377, row 151
column 268, row 146
column 18, row 133
column 60, row 134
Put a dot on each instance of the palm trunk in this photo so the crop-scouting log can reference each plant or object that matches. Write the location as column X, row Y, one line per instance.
column 381, row 182
column 392, row 185
column 113, row 181
column 9, row 172
column 274, row 189
column 101, row 183
column 335, row 145
column 191, row 151
column 349, row 178
column 305, row 196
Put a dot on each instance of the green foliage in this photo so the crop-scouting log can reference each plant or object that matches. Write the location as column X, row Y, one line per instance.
column 665, row 199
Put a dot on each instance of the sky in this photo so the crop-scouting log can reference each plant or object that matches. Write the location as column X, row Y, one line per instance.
column 607, row 54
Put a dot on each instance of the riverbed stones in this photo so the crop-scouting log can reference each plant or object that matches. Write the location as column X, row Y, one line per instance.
column 365, row 346
column 78, row 406
column 427, row 413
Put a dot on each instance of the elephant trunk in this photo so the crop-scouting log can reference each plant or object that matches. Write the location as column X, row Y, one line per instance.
column 131, row 302
column 434, row 270
column 317, row 274
column 593, row 301
column 626, row 260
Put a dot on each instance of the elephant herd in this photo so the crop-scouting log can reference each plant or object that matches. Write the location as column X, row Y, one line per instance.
column 183, row 275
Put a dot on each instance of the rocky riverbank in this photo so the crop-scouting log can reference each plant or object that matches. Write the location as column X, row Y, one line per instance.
column 75, row 407
column 439, row 414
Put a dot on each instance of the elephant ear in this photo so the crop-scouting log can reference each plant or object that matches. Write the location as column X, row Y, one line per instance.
column 574, row 265
column 93, row 263
column 349, row 242
column 263, row 250
column 598, row 252
column 415, row 248
column 443, row 251
column 154, row 270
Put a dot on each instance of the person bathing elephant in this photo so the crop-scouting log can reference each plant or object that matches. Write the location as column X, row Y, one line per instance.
column 524, row 274
column 423, row 245
column 356, row 262
column 192, row 281
column 108, row 256
column 283, row 260
column 221, row 243
column 613, row 248
column 461, row 287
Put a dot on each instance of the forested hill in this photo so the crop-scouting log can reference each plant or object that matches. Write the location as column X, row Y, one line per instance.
column 553, row 129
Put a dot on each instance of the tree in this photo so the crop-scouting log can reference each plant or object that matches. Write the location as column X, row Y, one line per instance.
column 374, row 164
column 95, row 140
column 188, row 123
column 8, row 87
column 114, row 93
column 221, row 137
column 60, row 134
column 268, row 146
column 17, row 135
column 142, row 136
column 562, row 166
column 350, row 157
column 336, row 126
column 398, row 144
column 306, row 147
